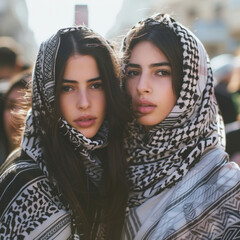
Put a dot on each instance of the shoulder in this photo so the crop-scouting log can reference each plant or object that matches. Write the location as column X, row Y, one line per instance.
column 214, row 167
column 19, row 168
column 217, row 154
column 218, row 159
column 17, row 173
column 216, row 162
column 28, row 202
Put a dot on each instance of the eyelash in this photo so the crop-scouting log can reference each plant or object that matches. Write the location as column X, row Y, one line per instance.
column 66, row 88
column 164, row 72
column 98, row 84
column 161, row 72
column 94, row 85
column 131, row 73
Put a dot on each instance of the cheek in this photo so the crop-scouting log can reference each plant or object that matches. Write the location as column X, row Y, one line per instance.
column 64, row 106
column 102, row 104
column 166, row 89
column 170, row 95
column 130, row 87
column 98, row 103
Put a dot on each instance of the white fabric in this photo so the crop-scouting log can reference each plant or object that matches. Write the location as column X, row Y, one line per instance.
column 190, row 209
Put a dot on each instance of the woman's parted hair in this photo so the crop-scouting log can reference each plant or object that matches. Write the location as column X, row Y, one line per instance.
column 108, row 211
column 162, row 37
column 89, row 43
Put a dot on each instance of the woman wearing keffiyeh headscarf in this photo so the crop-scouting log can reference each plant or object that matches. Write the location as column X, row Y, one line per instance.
column 68, row 179
column 181, row 183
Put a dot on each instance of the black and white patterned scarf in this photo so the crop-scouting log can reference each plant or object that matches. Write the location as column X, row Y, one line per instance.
column 160, row 158
column 42, row 105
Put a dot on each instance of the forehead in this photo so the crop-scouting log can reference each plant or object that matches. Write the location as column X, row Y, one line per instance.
column 81, row 66
column 147, row 52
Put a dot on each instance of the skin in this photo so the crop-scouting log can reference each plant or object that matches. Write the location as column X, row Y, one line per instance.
column 11, row 126
column 82, row 100
column 7, row 72
column 149, row 83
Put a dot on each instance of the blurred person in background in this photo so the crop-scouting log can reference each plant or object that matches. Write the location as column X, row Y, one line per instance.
column 10, row 103
column 234, row 84
column 182, row 185
column 233, row 129
column 14, row 19
column 10, row 62
column 222, row 67
column 233, row 144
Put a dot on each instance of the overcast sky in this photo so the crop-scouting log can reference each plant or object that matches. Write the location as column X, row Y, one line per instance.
column 47, row 16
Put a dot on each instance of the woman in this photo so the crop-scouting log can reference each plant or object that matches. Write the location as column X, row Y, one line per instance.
column 181, row 184
column 10, row 103
column 68, row 180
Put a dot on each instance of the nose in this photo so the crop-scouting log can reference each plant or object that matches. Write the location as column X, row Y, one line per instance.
column 83, row 101
column 144, row 86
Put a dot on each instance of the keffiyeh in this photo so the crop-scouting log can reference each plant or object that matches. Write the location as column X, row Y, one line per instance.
column 42, row 104
column 31, row 205
column 181, row 184
column 161, row 157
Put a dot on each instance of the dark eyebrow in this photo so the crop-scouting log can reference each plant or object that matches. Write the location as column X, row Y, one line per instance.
column 160, row 64
column 68, row 81
column 133, row 65
column 73, row 81
column 95, row 79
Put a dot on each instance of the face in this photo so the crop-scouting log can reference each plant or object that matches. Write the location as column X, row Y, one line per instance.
column 82, row 99
column 11, row 105
column 7, row 72
column 149, row 82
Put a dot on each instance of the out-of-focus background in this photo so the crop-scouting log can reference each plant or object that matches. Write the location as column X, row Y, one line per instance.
column 215, row 22
column 24, row 24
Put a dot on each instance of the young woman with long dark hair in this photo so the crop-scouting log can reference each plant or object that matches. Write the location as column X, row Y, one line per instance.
column 10, row 103
column 68, row 179
column 181, row 183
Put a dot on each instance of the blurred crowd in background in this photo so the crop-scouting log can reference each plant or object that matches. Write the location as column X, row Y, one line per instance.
column 216, row 23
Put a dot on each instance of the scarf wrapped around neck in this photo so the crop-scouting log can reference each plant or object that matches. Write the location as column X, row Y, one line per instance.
column 42, row 105
column 160, row 158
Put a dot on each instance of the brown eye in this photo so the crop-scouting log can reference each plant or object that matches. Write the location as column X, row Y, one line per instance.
column 132, row 73
column 164, row 72
column 97, row 85
column 67, row 88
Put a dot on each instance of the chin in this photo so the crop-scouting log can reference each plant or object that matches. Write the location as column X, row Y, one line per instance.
column 148, row 122
column 88, row 134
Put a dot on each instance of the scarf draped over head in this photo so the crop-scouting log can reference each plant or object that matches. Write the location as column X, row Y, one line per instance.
column 158, row 159
column 43, row 97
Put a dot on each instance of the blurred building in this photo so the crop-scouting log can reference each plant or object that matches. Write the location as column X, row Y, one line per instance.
column 215, row 22
column 14, row 23
column 131, row 12
column 81, row 14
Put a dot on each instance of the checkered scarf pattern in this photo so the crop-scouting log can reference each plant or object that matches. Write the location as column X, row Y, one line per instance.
column 161, row 157
column 42, row 105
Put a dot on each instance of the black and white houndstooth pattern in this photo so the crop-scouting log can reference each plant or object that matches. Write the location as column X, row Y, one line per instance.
column 42, row 105
column 160, row 158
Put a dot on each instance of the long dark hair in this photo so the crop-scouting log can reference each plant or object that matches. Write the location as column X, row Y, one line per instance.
column 165, row 39
column 93, row 209
column 19, row 81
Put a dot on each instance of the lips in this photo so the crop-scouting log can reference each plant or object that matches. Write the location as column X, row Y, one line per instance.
column 85, row 121
column 144, row 106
